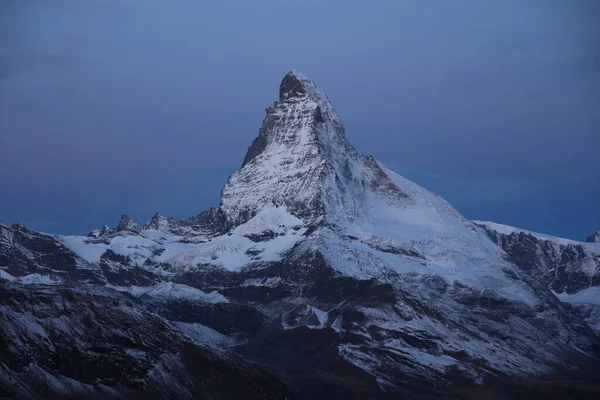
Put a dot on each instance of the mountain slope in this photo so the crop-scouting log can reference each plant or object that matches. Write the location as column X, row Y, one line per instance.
column 341, row 277
column 570, row 268
column 80, row 343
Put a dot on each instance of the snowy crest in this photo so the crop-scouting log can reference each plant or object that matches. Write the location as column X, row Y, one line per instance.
column 302, row 161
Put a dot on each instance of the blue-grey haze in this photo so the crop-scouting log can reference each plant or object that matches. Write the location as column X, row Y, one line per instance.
column 137, row 106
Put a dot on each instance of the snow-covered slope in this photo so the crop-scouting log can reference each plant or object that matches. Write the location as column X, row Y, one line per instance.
column 367, row 221
column 302, row 161
column 566, row 265
column 323, row 256
column 570, row 268
column 507, row 230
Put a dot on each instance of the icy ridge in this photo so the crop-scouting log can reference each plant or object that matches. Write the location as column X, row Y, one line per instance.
column 301, row 160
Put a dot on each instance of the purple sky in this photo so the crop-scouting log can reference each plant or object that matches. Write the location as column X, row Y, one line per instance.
column 139, row 106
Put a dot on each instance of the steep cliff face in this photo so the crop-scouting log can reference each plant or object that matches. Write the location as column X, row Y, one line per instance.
column 301, row 161
column 563, row 265
column 26, row 255
column 569, row 268
column 341, row 277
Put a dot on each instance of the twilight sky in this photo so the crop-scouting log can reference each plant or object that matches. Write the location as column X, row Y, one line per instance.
column 137, row 106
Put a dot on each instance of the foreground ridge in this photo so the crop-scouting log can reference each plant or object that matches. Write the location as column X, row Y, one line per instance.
column 322, row 273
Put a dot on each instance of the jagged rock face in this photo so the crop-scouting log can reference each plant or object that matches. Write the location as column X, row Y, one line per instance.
column 571, row 269
column 293, row 86
column 207, row 223
column 26, row 253
column 210, row 222
column 98, row 233
column 100, row 344
column 159, row 222
column 564, row 266
column 341, row 277
column 594, row 237
column 302, row 161
column 128, row 225
column 275, row 168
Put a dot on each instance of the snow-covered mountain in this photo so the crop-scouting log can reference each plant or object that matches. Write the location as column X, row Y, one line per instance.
column 321, row 265
column 571, row 269
column 594, row 237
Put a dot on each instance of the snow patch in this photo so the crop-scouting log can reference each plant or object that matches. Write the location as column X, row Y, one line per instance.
column 31, row 279
column 172, row 290
column 6, row 276
column 590, row 295
column 80, row 245
column 204, row 336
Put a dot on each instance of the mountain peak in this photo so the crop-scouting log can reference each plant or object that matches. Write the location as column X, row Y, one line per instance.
column 98, row 233
column 594, row 237
column 127, row 224
column 296, row 84
column 300, row 143
column 293, row 85
column 294, row 118
column 302, row 161
column 158, row 222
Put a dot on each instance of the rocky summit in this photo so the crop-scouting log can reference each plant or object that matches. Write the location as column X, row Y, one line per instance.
column 321, row 275
column 594, row 237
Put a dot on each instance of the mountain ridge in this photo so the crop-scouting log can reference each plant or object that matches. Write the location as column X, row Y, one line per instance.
column 321, row 268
